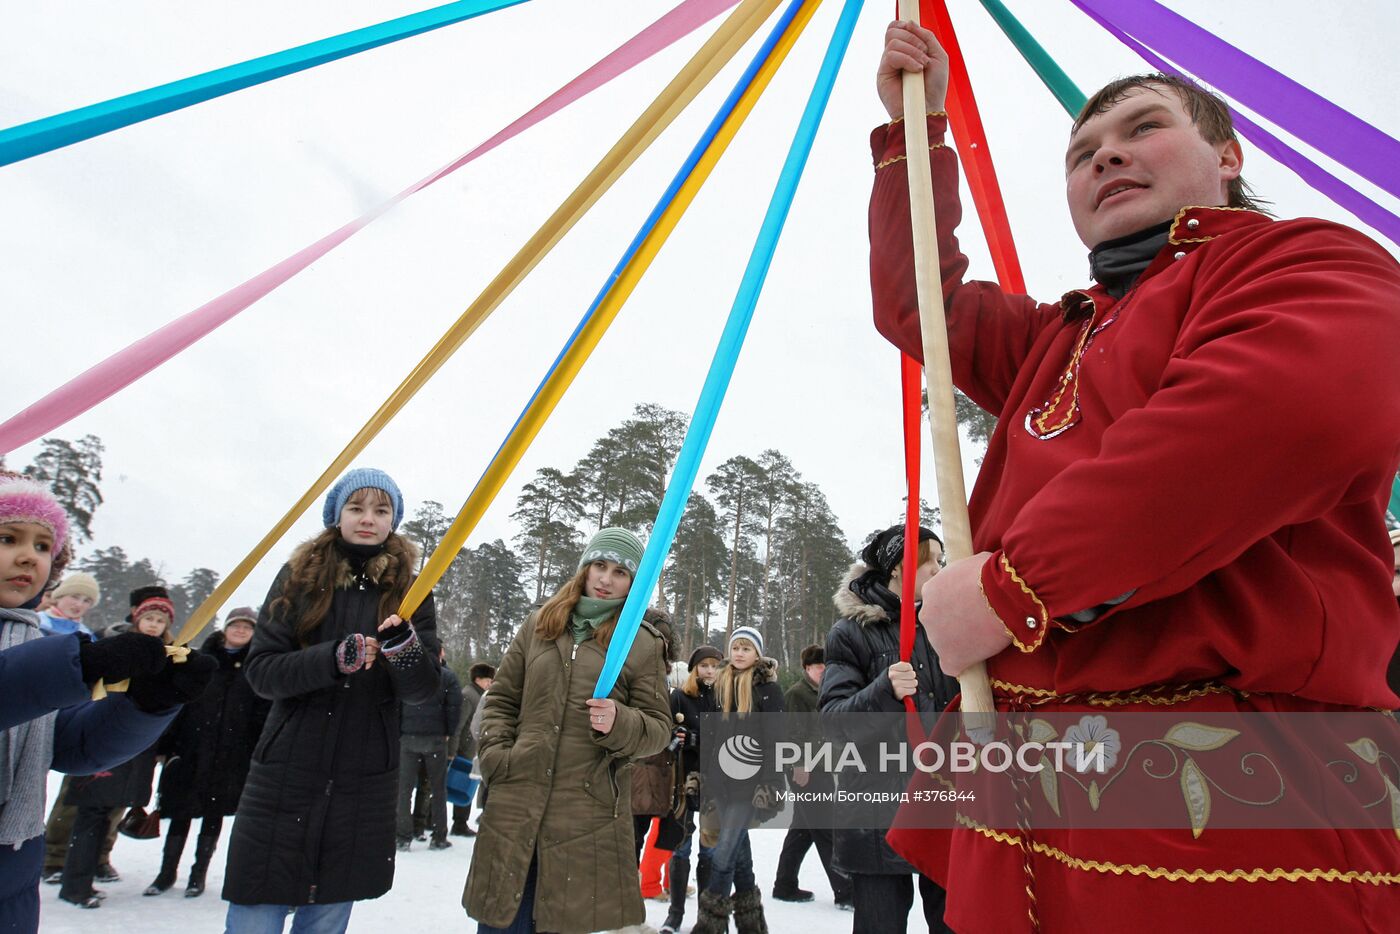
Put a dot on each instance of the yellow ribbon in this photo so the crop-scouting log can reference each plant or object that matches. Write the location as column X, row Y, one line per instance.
column 692, row 78
column 101, row 689
column 525, row 431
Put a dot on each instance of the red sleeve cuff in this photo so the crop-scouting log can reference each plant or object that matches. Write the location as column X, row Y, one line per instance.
column 887, row 141
column 1014, row 602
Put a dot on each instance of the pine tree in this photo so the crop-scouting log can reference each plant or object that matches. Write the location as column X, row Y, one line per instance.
column 735, row 485
column 698, row 556
column 546, row 510
column 72, row 472
column 427, row 527
column 191, row 592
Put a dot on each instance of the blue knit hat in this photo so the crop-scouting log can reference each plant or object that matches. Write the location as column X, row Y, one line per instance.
column 359, row 479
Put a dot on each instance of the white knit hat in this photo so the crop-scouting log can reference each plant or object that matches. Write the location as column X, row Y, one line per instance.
column 750, row 633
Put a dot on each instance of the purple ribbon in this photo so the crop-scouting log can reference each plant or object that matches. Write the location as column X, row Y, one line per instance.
column 1312, row 118
column 1366, row 210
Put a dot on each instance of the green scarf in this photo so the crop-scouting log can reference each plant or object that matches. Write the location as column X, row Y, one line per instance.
column 588, row 613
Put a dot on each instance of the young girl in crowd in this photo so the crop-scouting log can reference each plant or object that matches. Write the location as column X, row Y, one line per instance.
column 209, row 747
column 747, row 685
column 46, row 719
column 99, row 798
column 690, row 701
column 315, row 825
column 555, row 847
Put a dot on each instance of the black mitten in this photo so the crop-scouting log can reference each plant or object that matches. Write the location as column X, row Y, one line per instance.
column 128, row 655
column 175, row 684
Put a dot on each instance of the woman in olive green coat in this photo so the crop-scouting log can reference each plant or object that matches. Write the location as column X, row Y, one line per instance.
column 556, row 841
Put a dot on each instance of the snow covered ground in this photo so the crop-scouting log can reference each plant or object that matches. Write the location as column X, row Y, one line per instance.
column 427, row 894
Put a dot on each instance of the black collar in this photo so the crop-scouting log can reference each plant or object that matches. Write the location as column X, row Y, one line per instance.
column 1116, row 264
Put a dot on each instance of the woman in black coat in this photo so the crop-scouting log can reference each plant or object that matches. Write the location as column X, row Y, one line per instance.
column 864, row 675
column 691, row 701
column 315, row 824
column 210, row 746
column 747, row 685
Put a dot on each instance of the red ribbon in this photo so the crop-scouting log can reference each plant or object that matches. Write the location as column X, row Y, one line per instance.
column 911, row 382
column 976, row 156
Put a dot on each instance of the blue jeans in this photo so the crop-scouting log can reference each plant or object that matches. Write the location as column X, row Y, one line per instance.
column 524, row 922
column 271, row 919
column 731, row 859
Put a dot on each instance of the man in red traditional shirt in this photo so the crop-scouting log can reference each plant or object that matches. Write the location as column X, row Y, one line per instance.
column 1181, row 509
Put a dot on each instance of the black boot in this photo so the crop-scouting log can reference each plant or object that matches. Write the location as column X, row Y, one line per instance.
column 680, row 880
column 748, row 912
column 203, row 852
column 714, row 913
column 702, row 872
column 169, row 864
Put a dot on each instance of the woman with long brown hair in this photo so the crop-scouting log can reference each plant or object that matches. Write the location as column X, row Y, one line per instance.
column 555, row 850
column 315, row 824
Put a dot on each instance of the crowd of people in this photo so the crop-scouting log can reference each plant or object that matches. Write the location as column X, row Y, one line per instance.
column 1142, row 548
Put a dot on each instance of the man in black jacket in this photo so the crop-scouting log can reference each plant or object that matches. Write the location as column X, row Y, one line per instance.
column 479, row 681
column 425, row 731
column 864, row 675
column 811, row 820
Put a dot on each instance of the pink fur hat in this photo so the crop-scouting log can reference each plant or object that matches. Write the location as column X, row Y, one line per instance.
column 25, row 500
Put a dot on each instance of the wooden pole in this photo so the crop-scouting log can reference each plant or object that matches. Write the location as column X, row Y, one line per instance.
column 938, row 372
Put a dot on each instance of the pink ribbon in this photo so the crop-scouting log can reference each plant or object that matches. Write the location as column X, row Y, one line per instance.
column 126, row 366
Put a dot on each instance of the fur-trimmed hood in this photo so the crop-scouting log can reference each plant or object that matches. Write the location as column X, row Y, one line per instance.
column 765, row 670
column 850, row 606
column 345, row 574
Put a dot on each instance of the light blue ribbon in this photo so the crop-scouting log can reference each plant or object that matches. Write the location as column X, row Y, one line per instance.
column 50, row 133
column 702, row 423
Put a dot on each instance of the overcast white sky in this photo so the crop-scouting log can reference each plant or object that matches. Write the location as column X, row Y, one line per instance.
column 106, row 240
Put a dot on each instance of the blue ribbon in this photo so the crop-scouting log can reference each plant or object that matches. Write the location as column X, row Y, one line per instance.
column 50, row 133
column 702, row 423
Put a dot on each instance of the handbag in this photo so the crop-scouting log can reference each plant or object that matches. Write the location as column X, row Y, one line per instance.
column 139, row 825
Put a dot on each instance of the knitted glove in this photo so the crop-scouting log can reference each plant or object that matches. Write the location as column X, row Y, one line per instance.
column 350, row 654
column 128, row 655
column 400, row 646
column 174, row 684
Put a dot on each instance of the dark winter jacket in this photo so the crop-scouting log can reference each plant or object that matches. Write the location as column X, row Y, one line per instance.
column 210, row 745
column 127, row 785
column 316, row 820
column 860, row 648
column 558, row 791
column 802, row 699
column 466, row 743
column 765, row 728
column 438, row 717
column 692, row 709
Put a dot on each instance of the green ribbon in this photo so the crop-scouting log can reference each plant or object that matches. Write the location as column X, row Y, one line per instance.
column 1066, row 92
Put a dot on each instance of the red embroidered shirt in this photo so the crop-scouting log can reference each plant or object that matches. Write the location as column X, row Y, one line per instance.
column 1219, row 443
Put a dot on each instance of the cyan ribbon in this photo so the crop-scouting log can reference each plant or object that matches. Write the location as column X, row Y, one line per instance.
column 702, row 423
column 50, row 133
